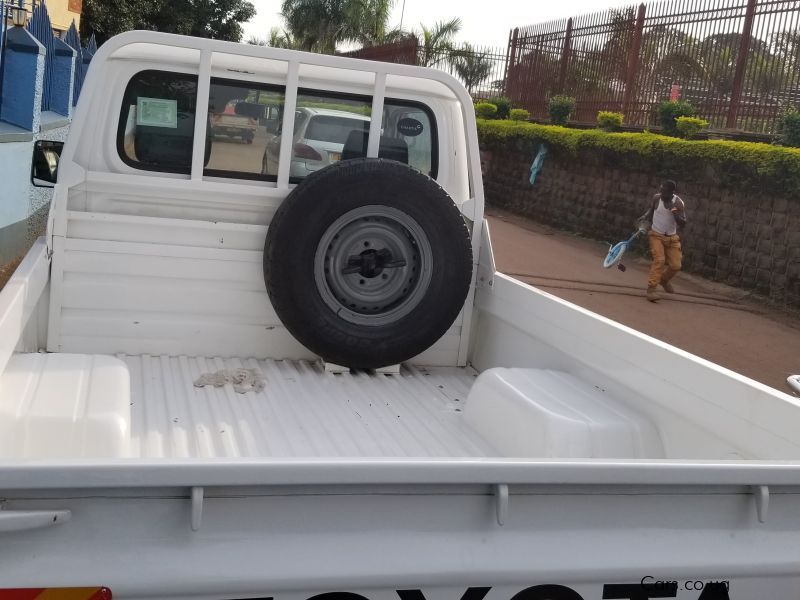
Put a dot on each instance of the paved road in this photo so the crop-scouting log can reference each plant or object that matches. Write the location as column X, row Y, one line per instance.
column 232, row 154
column 710, row 320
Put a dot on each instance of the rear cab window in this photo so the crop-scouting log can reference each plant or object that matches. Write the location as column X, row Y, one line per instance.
column 244, row 119
column 327, row 122
column 244, row 128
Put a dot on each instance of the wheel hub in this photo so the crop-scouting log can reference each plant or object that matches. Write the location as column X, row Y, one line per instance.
column 373, row 265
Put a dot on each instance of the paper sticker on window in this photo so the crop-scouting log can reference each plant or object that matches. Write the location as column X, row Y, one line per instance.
column 157, row 112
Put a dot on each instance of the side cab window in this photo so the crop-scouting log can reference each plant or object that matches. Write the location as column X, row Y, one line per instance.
column 156, row 124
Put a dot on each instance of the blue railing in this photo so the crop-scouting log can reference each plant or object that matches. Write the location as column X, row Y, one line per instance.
column 73, row 40
column 3, row 25
column 40, row 27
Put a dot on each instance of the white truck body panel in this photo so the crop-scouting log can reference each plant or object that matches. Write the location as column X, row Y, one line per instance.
column 536, row 443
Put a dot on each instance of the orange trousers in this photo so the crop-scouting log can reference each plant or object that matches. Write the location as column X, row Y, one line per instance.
column 666, row 253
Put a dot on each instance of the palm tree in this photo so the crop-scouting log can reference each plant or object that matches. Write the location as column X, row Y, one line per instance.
column 318, row 25
column 280, row 38
column 321, row 25
column 368, row 22
column 436, row 43
column 472, row 67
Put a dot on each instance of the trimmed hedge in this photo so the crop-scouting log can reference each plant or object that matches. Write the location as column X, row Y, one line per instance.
column 485, row 110
column 519, row 114
column 560, row 108
column 610, row 121
column 689, row 127
column 503, row 106
column 725, row 163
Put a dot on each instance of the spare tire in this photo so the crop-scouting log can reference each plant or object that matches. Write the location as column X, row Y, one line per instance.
column 368, row 262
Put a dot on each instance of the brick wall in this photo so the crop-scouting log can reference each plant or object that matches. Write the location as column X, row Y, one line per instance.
column 736, row 236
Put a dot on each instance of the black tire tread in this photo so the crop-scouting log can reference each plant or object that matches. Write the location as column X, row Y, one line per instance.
column 352, row 350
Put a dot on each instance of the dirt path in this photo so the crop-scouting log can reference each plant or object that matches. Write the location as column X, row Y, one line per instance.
column 711, row 320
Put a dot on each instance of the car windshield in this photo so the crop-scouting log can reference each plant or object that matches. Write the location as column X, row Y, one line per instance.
column 328, row 128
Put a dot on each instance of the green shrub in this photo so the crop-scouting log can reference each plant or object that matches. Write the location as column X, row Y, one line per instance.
column 668, row 113
column 610, row 121
column 519, row 114
column 484, row 110
column 689, row 127
column 750, row 165
column 560, row 108
column 503, row 106
column 789, row 128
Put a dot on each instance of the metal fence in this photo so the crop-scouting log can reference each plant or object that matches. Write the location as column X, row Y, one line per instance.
column 82, row 59
column 736, row 61
column 481, row 68
column 5, row 19
column 403, row 52
column 40, row 27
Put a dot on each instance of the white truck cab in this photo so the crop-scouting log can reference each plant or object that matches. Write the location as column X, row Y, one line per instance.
column 226, row 377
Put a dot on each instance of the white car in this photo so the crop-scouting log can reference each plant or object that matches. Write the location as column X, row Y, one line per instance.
column 319, row 138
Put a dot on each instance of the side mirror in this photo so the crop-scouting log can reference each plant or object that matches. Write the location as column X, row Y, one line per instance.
column 44, row 164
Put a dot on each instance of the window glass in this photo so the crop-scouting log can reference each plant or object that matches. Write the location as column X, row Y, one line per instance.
column 412, row 131
column 156, row 125
column 299, row 120
column 244, row 118
column 244, row 125
column 334, row 129
column 326, row 127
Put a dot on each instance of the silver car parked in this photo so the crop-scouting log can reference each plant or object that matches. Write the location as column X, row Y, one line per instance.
column 319, row 138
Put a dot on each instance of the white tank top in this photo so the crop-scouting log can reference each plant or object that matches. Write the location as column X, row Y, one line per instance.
column 663, row 220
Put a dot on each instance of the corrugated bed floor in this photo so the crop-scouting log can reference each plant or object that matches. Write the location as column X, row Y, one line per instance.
column 302, row 411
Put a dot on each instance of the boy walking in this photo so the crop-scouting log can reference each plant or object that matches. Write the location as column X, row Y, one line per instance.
column 666, row 214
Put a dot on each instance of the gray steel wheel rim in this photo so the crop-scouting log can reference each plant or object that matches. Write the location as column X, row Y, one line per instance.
column 376, row 294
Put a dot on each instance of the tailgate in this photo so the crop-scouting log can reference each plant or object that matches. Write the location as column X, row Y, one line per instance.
column 409, row 542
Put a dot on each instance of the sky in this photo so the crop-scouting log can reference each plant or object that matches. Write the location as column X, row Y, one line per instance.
column 484, row 23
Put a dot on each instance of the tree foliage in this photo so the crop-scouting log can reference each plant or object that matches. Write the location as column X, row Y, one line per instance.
column 436, row 43
column 317, row 25
column 105, row 21
column 472, row 67
column 278, row 38
column 218, row 19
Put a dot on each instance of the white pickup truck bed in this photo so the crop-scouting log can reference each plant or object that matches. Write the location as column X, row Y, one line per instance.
column 303, row 411
column 540, row 444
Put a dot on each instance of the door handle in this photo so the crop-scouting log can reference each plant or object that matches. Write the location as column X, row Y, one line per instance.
column 20, row 520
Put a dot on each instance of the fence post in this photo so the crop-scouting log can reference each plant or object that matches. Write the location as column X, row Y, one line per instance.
column 61, row 88
column 23, row 76
column 562, row 75
column 510, row 59
column 633, row 63
column 512, row 50
column 73, row 40
column 413, row 54
column 741, row 63
column 40, row 27
column 3, row 27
